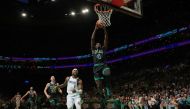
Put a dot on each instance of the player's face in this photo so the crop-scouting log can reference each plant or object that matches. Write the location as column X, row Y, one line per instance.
column 52, row 78
column 31, row 88
column 98, row 45
column 74, row 72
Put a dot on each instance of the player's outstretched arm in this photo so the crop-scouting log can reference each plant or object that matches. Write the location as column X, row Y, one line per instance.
column 64, row 84
column 59, row 90
column 25, row 95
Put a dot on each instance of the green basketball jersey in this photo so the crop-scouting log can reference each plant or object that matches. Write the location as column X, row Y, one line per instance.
column 53, row 90
column 98, row 59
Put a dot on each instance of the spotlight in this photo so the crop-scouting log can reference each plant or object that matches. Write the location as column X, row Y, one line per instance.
column 24, row 14
column 84, row 11
column 73, row 13
column 53, row 0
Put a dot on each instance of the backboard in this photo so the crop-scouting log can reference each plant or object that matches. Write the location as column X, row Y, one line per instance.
column 130, row 7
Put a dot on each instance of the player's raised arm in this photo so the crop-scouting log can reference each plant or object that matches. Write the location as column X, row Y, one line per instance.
column 93, row 38
column 25, row 95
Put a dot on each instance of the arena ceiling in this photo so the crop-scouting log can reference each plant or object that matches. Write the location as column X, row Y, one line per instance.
column 49, row 32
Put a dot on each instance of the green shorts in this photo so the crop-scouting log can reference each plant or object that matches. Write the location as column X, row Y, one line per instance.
column 55, row 101
column 99, row 75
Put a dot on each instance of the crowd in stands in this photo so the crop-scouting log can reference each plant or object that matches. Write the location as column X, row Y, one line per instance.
column 165, row 87
column 157, row 88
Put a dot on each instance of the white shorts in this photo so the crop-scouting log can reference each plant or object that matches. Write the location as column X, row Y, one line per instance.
column 74, row 100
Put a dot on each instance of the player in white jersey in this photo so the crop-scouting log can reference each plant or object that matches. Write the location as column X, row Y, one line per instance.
column 74, row 90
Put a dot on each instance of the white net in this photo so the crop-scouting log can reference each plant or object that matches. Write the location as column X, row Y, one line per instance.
column 104, row 13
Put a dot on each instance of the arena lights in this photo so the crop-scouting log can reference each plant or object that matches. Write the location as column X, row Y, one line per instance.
column 159, row 36
column 72, row 13
column 84, row 11
column 24, row 14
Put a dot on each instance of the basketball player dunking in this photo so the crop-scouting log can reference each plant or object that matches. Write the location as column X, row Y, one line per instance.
column 100, row 69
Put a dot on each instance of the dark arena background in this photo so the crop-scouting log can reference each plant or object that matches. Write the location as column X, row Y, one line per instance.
column 149, row 57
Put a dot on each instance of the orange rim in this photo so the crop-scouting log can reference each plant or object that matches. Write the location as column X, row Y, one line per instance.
column 104, row 11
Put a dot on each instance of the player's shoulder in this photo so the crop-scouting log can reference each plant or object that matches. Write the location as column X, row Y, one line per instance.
column 48, row 84
column 67, row 78
column 93, row 51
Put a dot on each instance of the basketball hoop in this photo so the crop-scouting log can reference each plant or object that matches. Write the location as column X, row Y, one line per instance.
column 104, row 13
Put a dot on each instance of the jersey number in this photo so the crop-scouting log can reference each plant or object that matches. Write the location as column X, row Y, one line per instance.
column 99, row 56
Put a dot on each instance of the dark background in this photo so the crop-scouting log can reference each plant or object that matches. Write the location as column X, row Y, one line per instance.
column 48, row 32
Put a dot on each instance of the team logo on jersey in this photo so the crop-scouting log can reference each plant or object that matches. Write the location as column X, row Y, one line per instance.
column 99, row 56
column 53, row 89
column 72, row 82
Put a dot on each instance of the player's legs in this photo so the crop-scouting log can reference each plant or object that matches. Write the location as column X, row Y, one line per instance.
column 58, row 102
column 99, row 87
column 52, row 102
column 98, row 77
column 107, row 73
column 70, row 102
column 31, row 103
column 78, row 102
column 17, row 105
column 98, row 80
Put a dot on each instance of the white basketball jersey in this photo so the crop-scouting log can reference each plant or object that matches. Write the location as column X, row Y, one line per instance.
column 71, row 85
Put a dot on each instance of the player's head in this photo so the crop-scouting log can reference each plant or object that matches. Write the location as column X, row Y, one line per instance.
column 18, row 93
column 75, row 72
column 31, row 88
column 52, row 78
column 98, row 45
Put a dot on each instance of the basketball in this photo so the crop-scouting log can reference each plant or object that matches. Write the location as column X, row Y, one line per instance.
column 100, row 24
